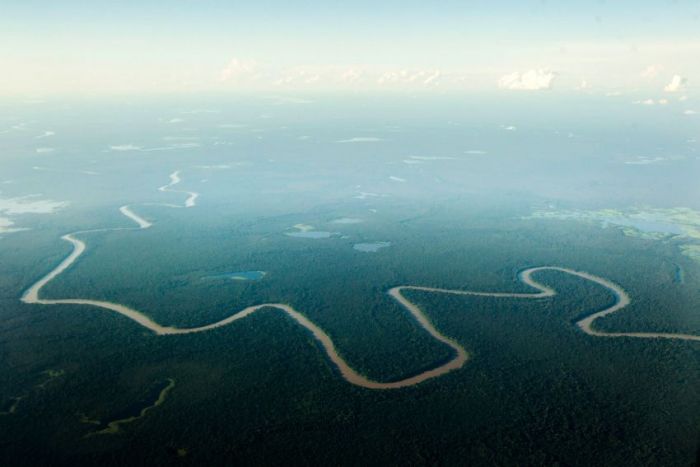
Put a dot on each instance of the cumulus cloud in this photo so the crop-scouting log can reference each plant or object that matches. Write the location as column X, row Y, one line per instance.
column 405, row 76
column 302, row 76
column 289, row 100
column 432, row 79
column 645, row 102
column 677, row 83
column 237, row 69
column 351, row 75
column 652, row 71
column 652, row 102
column 531, row 80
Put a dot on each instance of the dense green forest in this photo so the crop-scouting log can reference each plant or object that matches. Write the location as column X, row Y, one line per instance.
column 536, row 390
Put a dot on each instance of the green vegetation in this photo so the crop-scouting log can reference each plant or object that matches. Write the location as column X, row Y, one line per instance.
column 153, row 397
column 261, row 391
column 679, row 224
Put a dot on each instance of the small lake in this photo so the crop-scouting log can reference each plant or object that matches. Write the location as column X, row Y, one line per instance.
column 371, row 247
column 310, row 234
column 347, row 220
column 307, row 231
column 646, row 225
column 240, row 276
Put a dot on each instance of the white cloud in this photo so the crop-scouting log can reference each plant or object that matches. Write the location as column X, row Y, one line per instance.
column 652, row 71
column 351, row 75
column 237, row 69
column 359, row 75
column 44, row 150
column 279, row 100
column 397, row 179
column 677, row 83
column 304, row 76
column 406, row 76
column 392, row 76
column 531, row 80
column 432, row 79
column 690, row 112
column 645, row 102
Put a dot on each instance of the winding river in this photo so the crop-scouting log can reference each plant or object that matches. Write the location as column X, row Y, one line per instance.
column 32, row 296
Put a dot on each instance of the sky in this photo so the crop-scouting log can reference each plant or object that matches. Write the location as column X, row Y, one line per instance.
column 148, row 46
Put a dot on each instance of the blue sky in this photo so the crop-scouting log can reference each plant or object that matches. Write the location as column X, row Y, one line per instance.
column 152, row 46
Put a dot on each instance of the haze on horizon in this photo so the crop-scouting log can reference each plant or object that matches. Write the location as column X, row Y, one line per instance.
column 69, row 47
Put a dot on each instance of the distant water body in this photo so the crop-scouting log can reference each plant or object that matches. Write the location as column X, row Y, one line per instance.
column 310, row 234
column 647, row 225
column 371, row 247
column 240, row 275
